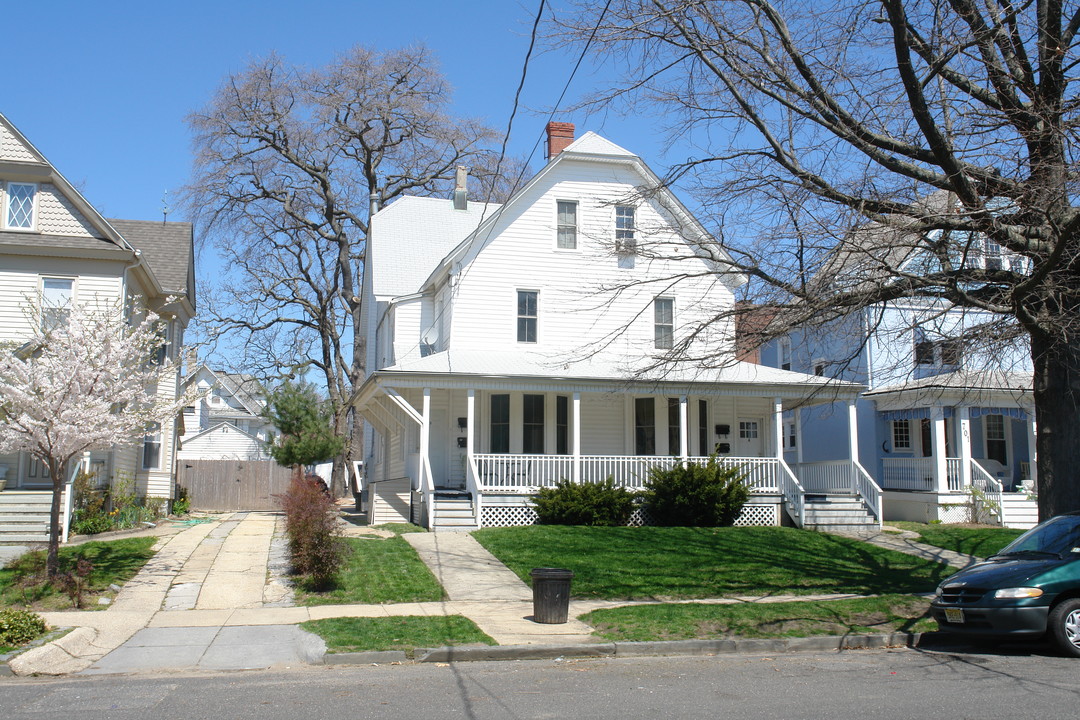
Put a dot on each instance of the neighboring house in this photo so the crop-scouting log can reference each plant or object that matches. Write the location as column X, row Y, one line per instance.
column 57, row 250
column 940, row 415
column 225, row 422
column 510, row 347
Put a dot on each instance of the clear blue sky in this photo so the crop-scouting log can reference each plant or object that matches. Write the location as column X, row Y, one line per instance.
column 102, row 87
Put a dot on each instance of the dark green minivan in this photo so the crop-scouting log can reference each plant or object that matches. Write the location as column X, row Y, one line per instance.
column 1029, row 588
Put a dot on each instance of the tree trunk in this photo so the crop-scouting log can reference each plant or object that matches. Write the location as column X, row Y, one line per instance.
column 1057, row 413
column 52, row 562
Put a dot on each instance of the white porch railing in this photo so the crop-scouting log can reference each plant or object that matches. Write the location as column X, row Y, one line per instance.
column 527, row 473
column 908, row 474
column 831, row 476
column 868, row 490
column 920, row 474
column 794, row 493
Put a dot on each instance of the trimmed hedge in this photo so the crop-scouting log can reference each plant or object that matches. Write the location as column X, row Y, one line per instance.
column 691, row 495
column 598, row 503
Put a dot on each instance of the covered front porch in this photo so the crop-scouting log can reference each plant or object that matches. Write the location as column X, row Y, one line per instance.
column 478, row 447
column 957, row 441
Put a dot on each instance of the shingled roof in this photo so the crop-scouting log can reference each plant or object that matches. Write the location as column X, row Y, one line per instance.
column 168, row 248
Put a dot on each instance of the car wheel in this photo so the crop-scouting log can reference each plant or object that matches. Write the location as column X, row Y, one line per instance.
column 1064, row 626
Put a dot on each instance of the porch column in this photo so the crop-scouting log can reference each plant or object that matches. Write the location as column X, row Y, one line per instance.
column 853, row 430
column 937, row 448
column 964, row 418
column 798, row 436
column 684, row 435
column 1033, row 452
column 778, row 428
column 425, row 441
column 470, row 412
column 576, row 437
column 86, row 462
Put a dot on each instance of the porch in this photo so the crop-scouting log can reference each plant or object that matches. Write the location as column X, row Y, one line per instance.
column 961, row 442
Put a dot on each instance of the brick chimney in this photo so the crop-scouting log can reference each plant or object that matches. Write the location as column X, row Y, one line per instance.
column 559, row 136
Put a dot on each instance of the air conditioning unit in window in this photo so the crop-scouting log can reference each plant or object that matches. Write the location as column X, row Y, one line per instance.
column 625, row 247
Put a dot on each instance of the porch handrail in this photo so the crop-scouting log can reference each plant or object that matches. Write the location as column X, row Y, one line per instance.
column 427, row 489
column 828, row 476
column 793, row 492
column 358, row 479
column 908, row 473
column 954, row 473
column 68, row 503
column 867, row 489
column 990, row 487
column 472, row 486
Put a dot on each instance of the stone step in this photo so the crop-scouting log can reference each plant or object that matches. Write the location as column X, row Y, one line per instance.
column 24, row 538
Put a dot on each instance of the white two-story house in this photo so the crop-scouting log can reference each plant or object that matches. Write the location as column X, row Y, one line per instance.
column 56, row 250
column 512, row 346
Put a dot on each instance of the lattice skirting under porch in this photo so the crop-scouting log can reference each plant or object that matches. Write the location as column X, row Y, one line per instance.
column 513, row 515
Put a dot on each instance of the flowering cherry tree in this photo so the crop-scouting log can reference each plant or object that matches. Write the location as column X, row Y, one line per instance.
column 87, row 380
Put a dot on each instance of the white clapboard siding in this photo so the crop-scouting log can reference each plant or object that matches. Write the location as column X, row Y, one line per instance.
column 222, row 442
column 520, row 254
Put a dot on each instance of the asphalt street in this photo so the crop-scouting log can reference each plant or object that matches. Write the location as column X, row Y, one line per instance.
column 1022, row 682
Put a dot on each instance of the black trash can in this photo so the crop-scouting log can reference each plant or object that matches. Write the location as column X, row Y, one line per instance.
column 551, row 594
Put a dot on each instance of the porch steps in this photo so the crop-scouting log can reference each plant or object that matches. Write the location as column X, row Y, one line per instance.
column 454, row 511
column 837, row 513
column 1018, row 511
column 24, row 516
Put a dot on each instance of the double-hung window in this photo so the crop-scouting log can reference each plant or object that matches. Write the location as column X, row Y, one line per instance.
column 566, row 225
column 19, row 214
column 532, row 424
column 901, row 434
column 152, row 447
column 625, row 241
column 526, row 315
column 663, row 323
column 500, row 423
column 56, row 296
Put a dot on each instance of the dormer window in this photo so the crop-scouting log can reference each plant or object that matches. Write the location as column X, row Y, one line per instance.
column 21, row 201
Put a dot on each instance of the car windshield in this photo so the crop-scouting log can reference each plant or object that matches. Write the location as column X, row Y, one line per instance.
column 1058, row 536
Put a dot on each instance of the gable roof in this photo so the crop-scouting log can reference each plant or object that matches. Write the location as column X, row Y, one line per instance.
column 591, row 147
column 244, row 388
column 224, row 428
column 169, row 249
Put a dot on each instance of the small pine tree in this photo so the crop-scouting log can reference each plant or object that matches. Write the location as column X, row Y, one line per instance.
column 304, row 422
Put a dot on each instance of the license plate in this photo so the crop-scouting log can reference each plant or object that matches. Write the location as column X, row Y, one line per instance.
column 954, row 615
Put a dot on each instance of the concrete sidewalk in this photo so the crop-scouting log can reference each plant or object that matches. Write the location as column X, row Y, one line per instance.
column 207, row 601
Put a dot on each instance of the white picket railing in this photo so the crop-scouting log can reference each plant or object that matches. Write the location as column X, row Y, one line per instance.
column 527, row 473
column 69, row 503
column 955, row 473
column 793, row 492
column 908, row 474
column 832, row 476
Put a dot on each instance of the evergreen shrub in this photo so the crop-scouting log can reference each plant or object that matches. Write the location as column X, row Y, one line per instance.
column 692, row 495
column 587, row 503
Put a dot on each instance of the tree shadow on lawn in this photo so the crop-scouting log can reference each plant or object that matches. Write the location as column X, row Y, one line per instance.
column 673, row 563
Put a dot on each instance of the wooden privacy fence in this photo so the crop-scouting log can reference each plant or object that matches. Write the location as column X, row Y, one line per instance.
column 233, row 484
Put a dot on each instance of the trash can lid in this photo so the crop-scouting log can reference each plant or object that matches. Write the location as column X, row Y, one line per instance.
column 551, row 573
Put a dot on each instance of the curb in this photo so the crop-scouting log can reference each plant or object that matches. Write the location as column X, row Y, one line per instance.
column 639, row 649
column 49, row 637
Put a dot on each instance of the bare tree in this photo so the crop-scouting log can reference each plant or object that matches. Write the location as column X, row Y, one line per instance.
column 854, row 153
column 288, row 162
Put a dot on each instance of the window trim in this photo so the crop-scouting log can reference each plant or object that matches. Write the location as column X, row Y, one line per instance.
column 520, row 318
column 625, row 237
column 559, row 226
column 657, row 325
column 6, row 207
column 152, row 438
column 42, row 279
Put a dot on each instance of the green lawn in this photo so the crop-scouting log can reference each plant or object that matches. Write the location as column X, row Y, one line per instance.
column 378, row 570
column 405, row 632
column 979, row 541
column 684, row 563
column 883, row 614
column 114, row 562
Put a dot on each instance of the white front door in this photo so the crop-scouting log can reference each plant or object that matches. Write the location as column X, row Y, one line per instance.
column 749, row 441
